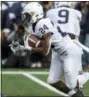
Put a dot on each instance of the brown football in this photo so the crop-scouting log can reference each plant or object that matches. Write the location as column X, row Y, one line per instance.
column 34, row 41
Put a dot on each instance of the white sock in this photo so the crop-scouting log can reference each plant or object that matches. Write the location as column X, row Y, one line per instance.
column 71, row 92
column 83, row 78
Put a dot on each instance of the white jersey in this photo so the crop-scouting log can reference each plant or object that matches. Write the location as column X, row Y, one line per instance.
column 66, row 19
column 61, row 44
column 45, row 26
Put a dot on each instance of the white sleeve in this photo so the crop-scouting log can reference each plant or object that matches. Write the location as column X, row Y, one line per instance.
column 79, row 15
column 45, row 27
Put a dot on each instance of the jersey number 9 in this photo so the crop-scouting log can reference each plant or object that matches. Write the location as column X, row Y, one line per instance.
column 64, row 16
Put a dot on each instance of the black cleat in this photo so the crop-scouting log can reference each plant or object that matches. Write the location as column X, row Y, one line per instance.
column 79, row 93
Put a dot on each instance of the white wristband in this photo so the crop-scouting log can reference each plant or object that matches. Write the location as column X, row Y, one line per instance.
column 28, row 47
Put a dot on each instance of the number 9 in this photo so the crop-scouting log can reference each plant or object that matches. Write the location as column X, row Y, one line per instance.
column 64, row 14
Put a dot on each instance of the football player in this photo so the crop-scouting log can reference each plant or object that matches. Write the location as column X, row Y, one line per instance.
column 67, row 20
column 62, row 44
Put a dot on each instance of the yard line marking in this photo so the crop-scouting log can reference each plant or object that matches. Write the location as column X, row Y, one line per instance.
column 39, row 72
column 35, row 79
column 11, row 72
column 19, row 72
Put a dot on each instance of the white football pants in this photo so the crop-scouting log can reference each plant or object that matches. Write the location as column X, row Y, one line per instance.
column 70, row 66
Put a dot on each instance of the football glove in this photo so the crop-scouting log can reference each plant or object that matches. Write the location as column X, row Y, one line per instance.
column 15, row 46
column 27, row 47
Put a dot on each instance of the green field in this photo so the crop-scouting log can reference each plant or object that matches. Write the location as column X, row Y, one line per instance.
column 86, row 86
column 20, row 85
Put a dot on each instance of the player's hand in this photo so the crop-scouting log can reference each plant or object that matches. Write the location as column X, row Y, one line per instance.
column 14, row 46
column 27, row 47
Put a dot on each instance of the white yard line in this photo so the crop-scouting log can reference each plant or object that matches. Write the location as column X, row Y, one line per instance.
column 11, row 72
column 19, row 72
column 39, row 72
column 43, row 84
column 35, row 79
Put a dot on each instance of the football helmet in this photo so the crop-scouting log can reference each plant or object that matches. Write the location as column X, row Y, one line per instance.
column 31, row 13
column 60, row 3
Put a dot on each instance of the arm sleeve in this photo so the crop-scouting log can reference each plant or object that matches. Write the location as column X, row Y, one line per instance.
column 46, row 27
column 79, row 15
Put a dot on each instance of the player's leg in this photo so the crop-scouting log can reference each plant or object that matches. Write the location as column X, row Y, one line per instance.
column 72, row 66
column 71, row 72
column 80, row 61
column 55, row 73
column 83, row 78
column 56, row 68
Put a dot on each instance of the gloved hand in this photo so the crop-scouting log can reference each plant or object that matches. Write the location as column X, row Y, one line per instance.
column 27, row 47
column 15, row 46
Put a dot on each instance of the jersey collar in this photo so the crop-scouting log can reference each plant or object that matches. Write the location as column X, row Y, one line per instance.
column 65, row 6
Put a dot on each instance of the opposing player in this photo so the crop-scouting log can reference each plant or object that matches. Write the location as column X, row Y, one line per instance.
column 62, row 44
column 67, row 20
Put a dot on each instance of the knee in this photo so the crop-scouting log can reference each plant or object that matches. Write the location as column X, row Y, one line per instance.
column 68, row 71
column 71, row 79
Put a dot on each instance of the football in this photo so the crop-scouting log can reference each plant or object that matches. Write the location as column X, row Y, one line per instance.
column 34, row 41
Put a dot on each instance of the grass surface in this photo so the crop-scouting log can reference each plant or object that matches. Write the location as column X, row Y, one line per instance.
column 24, row 69
column 85, row 89
column 19, row 85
